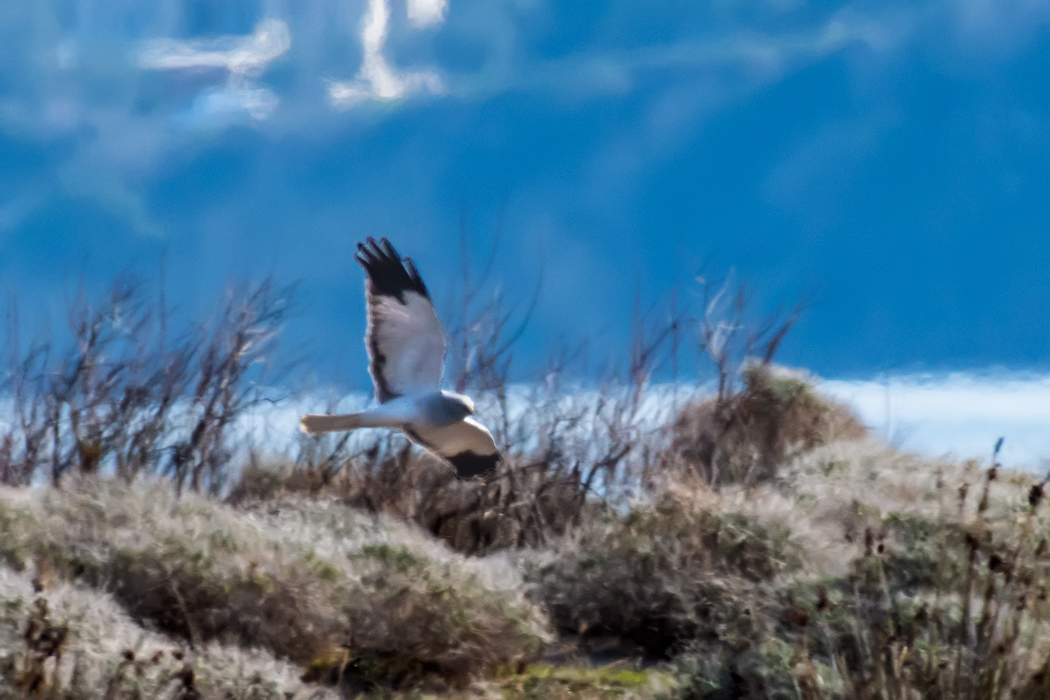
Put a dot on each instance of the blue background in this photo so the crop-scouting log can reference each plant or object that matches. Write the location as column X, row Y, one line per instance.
column 886, row 160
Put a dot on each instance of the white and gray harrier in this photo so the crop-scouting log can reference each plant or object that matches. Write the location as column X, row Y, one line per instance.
column 406, row 347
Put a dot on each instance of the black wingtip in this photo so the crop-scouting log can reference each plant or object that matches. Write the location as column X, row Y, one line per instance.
column 388, row 274
column 469, row 465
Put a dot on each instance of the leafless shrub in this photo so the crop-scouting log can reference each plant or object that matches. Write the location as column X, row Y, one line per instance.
column 125, row 397
column 24, row 434
column 240, row 342
column 111, row 395
column 758, row 414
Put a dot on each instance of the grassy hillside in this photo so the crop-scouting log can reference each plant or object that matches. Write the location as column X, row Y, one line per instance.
column 848, row 570
column 750, row 542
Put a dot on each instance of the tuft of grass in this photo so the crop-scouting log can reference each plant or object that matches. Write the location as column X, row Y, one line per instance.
column 746, row 436
column 549, row 682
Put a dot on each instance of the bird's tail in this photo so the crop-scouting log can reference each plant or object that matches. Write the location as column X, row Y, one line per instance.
column 326, row 424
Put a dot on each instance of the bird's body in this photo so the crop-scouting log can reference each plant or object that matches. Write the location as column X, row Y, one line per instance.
column 406, row 347
column 423, row 411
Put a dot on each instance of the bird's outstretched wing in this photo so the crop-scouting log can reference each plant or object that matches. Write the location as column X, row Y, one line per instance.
column 406, row 346
column 465, row 444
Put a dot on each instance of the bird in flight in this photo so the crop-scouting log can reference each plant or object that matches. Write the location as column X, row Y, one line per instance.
column 406, row 351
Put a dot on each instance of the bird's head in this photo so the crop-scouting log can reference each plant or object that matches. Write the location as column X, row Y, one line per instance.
column 464, row 402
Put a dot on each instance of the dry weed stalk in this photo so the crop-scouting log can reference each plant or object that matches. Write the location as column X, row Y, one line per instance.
column 972, row 637
column 733, row 436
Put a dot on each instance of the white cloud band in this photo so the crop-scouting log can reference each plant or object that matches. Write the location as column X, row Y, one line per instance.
column 377, row 79
column 959, row 413
column 243, row 55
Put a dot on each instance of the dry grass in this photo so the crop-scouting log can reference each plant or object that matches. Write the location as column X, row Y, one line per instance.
column 664, row 574
column 73, row 642
column 746, row 436
column 923, row 579
column 759, row 540
column 311, row 581
column 521, row 506
column 838, row 491
column 859, row 572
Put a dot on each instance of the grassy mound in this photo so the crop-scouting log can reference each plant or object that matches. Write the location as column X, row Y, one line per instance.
column 664, row 574
column 858, row 572
column 349, row 597
column 746, row 436
column 861, row 572
column 78, row 643
column 923, row 579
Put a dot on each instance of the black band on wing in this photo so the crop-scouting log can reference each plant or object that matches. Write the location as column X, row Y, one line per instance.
column 383, row 391
column 470, row 465
column 389, row 276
